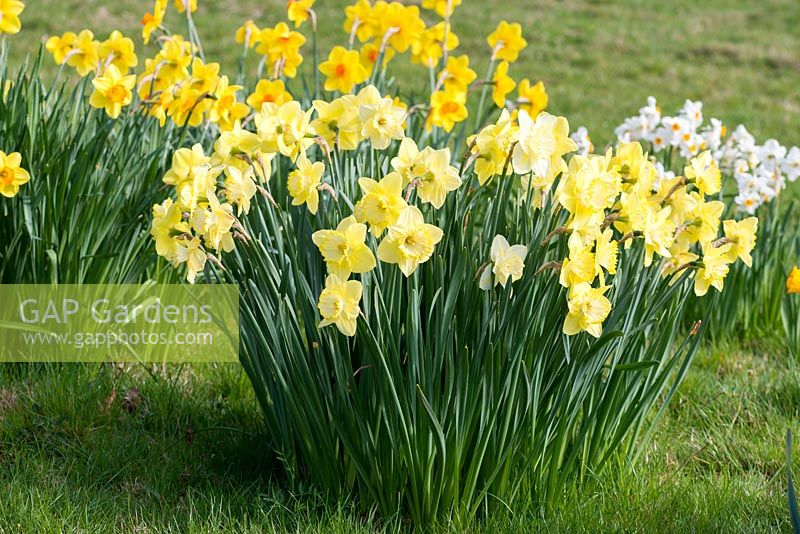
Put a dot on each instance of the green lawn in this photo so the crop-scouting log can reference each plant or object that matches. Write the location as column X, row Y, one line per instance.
column 599, row 59
column 101, row 447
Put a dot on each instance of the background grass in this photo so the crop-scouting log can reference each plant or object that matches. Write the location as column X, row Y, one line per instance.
column 100, row 447
column 600, row 59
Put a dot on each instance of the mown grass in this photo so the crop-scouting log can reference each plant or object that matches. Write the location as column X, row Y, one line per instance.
column 599, row 59
column 100, row 447
column 94, row 447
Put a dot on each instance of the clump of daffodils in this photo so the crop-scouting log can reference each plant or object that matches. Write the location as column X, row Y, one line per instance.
column 760, row 171
column 393, row 215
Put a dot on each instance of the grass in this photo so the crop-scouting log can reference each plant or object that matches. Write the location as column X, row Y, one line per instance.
column 93, row 447
column 101, row 447
column 599, row 59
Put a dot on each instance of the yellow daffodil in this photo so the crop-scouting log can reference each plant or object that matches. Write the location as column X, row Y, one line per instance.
column 338, row 304
column 191, row 175
column 704, row 173
column 506, row 41
column 343, row 70
column 588, row 308
column 248, row 34
column 167, row 223
column 742, row 236
column 428, row 48
column 658, row 233
column 703, row 221
column 344, row 249
column 303, row 183
column 337, row 122
column 381, row 120
column 190, row 252
column 714, row 268
column 226, row 109
column 213, row 221
column 606, row 250
column 532, row 98
column 793, row 281
column 239, row 188
column 281, row 47
column 183, row 5
column 61, row 46
column 536, row 144
column 152, row 21
column 273, row 91
column 507, row 262
column 502, row 84
column 298, row 11
column 456, row 75
column 402, row 23
column 381, row 203
column 370, row 53
column 119, row 51
column 441, row 6
column 579, row 267
column 285, row 128
column 84, row 53
column 491, row 146
column 361, row 21
column 112, row 91
column 11, row 174
column 448, row 108
column 436, row 176
column 10, row 11
column 410, row 241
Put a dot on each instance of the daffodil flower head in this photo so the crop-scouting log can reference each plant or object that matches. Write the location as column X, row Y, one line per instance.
column 339, row 304
column 704, row 173
column 344, row 249
column 10, row 11
column 343, row 70
column 793, row 281
column 742, row 236
column 588, row 308
column 303, row 183
column 382, row 202
column 508, row 262
column 714, row 268
column 410, row 241
column 381, row 120
column 437, row 176
column 12, row 176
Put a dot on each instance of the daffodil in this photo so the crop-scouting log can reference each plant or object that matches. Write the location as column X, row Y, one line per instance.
column 167, row 224
column 443, row 8
column 84, row 53
column 239, row 188
column 337, row 122
column 382, row 202
column 298, row 11
column 10, row 11
column 183, row 5
column 360, row 20
column 714, row 268
column 704, row 173
column 448, row 108
column 112, row 91
column 343, row 70
column 286, row 128
column 456, row 74
column 344, row 249
column 371, row 52
column 491, row 147
column 152, row 21
column 502, row 84
column 658, row 232
column 272, row 91
column 506, row 41
column 191, row 175
column 339, row 304
column 410, row 241
column 119, row 51
column 11, row 174
column 382, row 120
column 532, row 98
column 281, row 48
column 225, row 108
column 428, row 49
column 742, row 236
column 303, row 183
column 507, row 262
column 536, row 144
column 401, row 23
column 793, row 281
column 579, row 267
column 213, row 222
column 248, row 34
column 191, row 252
column 436, row 176
column 61, row 46
column 588, row 308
